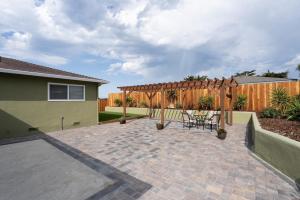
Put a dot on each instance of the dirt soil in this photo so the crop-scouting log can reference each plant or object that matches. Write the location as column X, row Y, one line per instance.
column 290, row 129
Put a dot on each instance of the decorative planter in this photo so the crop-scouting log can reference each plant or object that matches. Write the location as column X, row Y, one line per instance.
column 122, row 121
column 159, row 126
column 222, row 134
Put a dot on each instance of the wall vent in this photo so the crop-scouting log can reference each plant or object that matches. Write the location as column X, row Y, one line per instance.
column 76, row 123
column 33, row 129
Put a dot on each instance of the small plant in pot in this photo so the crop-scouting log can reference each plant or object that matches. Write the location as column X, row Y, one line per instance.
column 123, row 120
column 159, row 126
column 222, row 134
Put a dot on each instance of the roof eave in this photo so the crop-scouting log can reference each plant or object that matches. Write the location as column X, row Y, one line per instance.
column 37, row 74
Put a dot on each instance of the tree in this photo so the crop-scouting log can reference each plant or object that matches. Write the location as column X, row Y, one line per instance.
column 298, row 68
column 195, row 78
column 275, row 75
column 246, row 73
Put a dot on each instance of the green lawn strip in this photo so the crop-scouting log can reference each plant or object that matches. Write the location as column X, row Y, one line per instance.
column 115, row 116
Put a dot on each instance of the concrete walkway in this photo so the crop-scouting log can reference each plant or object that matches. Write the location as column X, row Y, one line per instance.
column 181, row 163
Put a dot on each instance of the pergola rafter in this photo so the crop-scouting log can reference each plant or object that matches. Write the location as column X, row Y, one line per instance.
column 152, row 89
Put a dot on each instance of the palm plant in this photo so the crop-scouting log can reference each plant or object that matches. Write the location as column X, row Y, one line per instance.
column 240, row 102
column 171, row 95
column 280, row 100
column 293, row 110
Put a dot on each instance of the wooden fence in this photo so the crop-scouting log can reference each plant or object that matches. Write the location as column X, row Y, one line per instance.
column 102, row 103
column 258, row 95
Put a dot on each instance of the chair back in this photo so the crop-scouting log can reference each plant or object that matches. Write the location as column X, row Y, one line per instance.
column 190, row 112
column 185, row 116
column 209, row 114
column 216, row 118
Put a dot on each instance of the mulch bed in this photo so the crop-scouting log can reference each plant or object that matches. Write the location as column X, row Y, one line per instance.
column 290, row 129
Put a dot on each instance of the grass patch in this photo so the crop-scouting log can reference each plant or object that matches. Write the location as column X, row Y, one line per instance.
column 108, row 116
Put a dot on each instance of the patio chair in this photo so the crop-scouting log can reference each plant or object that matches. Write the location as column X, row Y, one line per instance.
column 190, row 113
column 213, row 121
column 187, row 121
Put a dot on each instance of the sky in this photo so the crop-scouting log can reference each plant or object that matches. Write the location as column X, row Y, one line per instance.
column 129, row 42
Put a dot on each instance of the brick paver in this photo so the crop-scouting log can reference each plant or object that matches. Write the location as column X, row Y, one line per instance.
column 181, row 163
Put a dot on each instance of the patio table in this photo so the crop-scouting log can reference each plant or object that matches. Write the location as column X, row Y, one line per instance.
column 200, row 119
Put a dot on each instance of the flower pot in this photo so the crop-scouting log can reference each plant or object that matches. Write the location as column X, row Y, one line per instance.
column 122, row 121
column 159, row 126
column 222, row 134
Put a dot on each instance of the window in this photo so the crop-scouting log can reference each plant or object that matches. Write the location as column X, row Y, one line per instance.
column 58, row 92
column 76, row 92
column 66, row 92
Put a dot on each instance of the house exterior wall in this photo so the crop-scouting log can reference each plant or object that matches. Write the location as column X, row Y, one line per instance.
column 24, row 106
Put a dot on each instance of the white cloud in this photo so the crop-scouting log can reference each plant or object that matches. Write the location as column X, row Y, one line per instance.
column 159, row 40
column 19, row 44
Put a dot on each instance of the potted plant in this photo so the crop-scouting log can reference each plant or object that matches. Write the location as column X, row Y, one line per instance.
column 123, row 120
column 159, row 126
column 222, row 134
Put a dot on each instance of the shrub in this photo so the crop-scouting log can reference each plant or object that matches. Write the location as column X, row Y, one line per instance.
column 143, row 104
column 130, row 102
column 206, row 102
column 240, row 102
column 269, row 113
column 280, row 100
column 118, row 102
column 293, row 110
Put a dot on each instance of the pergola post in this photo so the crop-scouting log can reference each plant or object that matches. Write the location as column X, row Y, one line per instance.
column 183, row 99
column 162, row 109
column 124, row 104
column 150, row 105
column 232, row 101
column 222, row 104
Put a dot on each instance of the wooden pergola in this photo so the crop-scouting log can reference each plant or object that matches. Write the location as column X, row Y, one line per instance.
column 152, row 89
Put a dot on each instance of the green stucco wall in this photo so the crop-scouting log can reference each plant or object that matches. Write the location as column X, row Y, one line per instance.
column 24, row 104
column 281, row 152
column 238, row 117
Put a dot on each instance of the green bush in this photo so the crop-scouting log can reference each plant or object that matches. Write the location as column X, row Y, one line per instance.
column 240, row 102
column 269, row 113
column 293, row 110
column 280, row 100
column 143, row 104
column 118, row 102
column 205, row 103
column 130, row 102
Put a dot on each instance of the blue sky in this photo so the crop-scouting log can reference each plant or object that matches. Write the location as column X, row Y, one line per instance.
column 144, row 41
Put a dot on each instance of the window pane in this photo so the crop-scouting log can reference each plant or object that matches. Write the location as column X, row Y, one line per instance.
column 58, row 92
column 76, row 92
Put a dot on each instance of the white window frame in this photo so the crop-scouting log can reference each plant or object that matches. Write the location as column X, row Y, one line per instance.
column 68, row 98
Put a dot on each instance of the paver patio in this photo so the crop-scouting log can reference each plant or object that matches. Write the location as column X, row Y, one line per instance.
column 180, row 163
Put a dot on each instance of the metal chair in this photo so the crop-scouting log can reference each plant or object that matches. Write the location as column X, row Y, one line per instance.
column 187, row 121
column 213, row 121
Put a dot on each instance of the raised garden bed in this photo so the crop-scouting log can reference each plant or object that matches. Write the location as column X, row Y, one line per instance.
column 290, row 129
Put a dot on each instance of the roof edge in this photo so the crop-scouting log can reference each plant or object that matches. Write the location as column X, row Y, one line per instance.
column 37, row 74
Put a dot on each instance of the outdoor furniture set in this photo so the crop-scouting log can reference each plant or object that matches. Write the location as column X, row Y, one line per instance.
column 209, row 119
